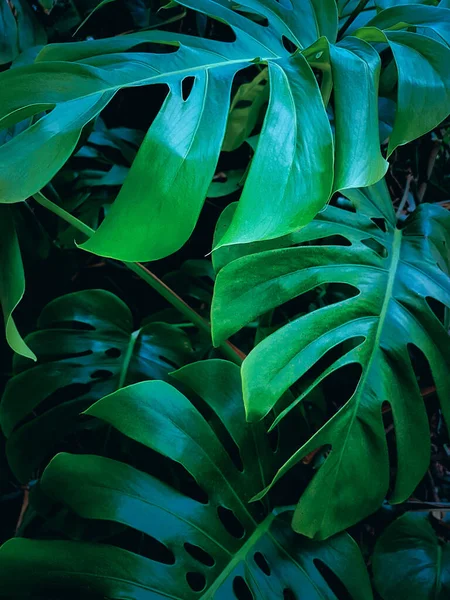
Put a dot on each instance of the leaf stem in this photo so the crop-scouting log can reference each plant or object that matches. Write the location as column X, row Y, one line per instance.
column 357, row 10
column 228, row 350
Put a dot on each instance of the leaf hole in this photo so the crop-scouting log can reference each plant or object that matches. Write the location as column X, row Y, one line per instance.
column 154, row 48
column 186, row 87
column 391, row 441
column 437, row 308
column 243, row 104
column 196, row 581
column 288, row 594
column 77, row 325
column 219, row 429
column 63, row 395
column 231, row 523
column 333, row 582
column 262, row 563
column 113, row 352
column 101, row 374
column 289, row 45
column 332, row 240
column 380, row 222
column 241, row 589
column 376, row 246
column 199, row 554
column 155, row 550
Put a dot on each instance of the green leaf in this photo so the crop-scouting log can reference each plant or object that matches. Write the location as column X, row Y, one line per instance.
column 19, row 29
column 245, row 111
column 186, row 133
column 295, row 122
column 410, row 562
column 12, row 281
column 204, row 555
column 394, row 273
column 296, row 164
column 86, row 348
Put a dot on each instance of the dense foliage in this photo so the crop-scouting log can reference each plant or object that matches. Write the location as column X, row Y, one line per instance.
column 224, row 276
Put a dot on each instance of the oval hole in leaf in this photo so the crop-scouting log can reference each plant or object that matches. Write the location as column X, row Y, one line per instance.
column 199, row 554
column 77, row 325
column 220, row 430
column 333, row 582
column 391, row 440
column 101, row 374
column 154, row 48
column 375, row 245
column 113, row 352
column 330, row 240
column 380, row 222
column 262, row 563
column 196, row 581
column 241, row 589
column 289, row 45
column 437, row 308
column 288, row 594
column 231, row 522
column 64, row 394
column 155, row 550
column 186, row 87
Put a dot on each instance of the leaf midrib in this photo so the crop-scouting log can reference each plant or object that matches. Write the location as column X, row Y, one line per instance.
column 395, row 249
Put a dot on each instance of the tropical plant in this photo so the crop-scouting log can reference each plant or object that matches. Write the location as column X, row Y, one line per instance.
column 219, row 545
column 412, row 550
column 395, row 276
column 284, row 163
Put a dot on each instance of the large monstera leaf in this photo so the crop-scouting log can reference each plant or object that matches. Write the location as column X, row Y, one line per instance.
column 410, row 548
column 87, row 348
column 296, row 165
column 396, row 273
column 206, row 554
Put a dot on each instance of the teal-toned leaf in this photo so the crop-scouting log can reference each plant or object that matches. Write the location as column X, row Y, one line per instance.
column 86, row 348
column 12, row 281
column 394, row 272
column 263, row 555
column 19, row 29
column 410, row 562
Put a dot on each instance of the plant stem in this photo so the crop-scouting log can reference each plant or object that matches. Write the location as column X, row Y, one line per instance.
column 228, row 350
column 358, row 9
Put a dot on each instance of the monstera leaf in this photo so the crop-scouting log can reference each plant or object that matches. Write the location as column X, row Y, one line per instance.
column 398, row 275
column 12, row 280
column 410, row 562
column 86, row 348
column 222, row 547
column 296, row 165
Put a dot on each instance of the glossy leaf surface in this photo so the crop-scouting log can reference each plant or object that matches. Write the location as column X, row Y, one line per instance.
column 219, row 549
column 294, row 170
column 410, row 562
column 86, row 348
column 395, row 274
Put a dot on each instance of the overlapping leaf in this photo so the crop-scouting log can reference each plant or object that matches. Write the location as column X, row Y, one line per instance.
column 397, row 274
column 410, row 562
column 86, row 348
column 12, row 281
column 205, row 554
column 296, row 166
